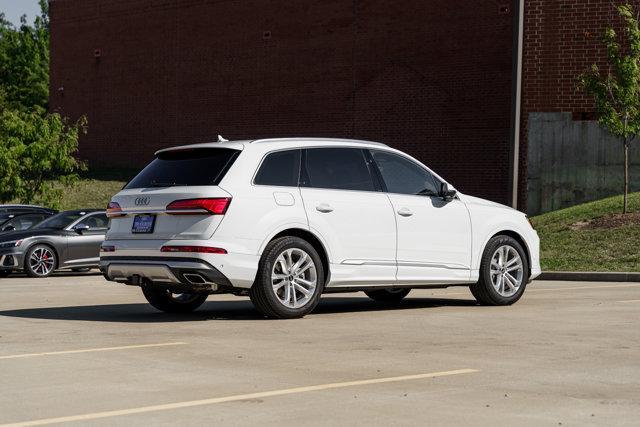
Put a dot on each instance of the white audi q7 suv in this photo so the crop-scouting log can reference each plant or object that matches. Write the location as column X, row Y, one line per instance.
column 284, row 220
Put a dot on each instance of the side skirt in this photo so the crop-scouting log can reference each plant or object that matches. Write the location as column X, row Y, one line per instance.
column 345, row 289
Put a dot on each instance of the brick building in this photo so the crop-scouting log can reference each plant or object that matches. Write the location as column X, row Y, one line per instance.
column 435, row 78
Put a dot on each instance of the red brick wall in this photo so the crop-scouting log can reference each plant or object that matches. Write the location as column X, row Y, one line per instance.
column 562, row 39
column 431, row 77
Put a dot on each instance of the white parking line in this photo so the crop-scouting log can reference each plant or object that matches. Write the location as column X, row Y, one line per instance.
column 91, row 350
column 629, row 300
column 234, row 398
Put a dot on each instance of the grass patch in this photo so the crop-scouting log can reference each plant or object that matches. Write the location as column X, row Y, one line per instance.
column 95, row 189
column 567, row 247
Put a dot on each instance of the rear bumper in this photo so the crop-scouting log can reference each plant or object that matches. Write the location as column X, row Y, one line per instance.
column 178, row 273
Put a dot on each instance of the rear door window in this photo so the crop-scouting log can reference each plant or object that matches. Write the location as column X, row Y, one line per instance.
column 337, row 168
column 280, row 168
column 197, row 166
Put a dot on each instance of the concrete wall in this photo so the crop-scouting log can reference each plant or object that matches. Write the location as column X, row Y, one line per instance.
column 572, row 162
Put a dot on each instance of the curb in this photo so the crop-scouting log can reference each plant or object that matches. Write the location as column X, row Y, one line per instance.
column 590, row 276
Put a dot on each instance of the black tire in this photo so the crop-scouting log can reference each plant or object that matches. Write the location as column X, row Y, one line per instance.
column 81, row 269
column 483, row 290
column 4, row 273
column 388, row 296
column 51, row 261
column 165, row 301
column 262, row 294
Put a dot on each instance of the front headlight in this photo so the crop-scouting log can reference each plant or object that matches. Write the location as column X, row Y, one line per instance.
column 12, row 244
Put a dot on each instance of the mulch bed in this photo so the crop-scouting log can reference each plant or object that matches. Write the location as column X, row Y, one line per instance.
column 608, row 222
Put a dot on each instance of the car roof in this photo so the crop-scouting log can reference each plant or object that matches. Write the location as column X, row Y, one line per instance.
column 284, row 142
column 22, row 207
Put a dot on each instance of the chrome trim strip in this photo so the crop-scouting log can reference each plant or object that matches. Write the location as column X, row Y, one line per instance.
column 160, row 212
column 404, row 264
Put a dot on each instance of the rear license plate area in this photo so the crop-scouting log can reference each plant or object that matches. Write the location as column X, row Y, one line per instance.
column 143, row 224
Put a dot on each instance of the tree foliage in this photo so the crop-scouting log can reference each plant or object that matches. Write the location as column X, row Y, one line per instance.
column 616, row 89
column 37, row 148
column 37, row 151
column 24, row 62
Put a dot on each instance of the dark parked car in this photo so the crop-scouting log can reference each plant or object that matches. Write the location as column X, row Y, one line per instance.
column 68, row 240
column 22, row 217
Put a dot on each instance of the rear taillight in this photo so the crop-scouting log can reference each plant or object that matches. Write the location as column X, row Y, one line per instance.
column 196, row 249
column 107, row 248
column 114, row 210
column 215, row 206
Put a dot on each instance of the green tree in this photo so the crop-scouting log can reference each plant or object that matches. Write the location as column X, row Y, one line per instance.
column 37, row 149
column 37, row 155
column 24, row 62
column 616, row 89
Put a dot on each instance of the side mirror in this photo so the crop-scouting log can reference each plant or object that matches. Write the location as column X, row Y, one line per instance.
column 9, row 228
column 81, row 228
column 446, row 193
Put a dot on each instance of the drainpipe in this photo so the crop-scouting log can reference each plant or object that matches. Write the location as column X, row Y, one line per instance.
column 516, row 101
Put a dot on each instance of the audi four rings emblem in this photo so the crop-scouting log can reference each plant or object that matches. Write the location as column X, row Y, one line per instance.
column 142, row 201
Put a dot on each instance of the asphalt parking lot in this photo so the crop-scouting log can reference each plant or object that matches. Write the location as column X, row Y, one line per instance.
column 76, row 349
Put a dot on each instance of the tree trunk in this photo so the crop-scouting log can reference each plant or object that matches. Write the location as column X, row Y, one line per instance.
column 626, row 177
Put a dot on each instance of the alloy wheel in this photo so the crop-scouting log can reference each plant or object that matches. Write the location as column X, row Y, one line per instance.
column 294, row 278
column 42, row 261
column 506, row 270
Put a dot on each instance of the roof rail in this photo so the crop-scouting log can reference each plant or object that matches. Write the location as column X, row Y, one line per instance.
column 350, row 141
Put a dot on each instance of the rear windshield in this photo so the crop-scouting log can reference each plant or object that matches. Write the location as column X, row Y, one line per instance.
column 198, row 166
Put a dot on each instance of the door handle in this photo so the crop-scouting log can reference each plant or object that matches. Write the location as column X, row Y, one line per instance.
column 324, row 208
column 405, row 212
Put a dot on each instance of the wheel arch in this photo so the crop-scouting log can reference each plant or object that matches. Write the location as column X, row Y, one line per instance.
column 313, row 241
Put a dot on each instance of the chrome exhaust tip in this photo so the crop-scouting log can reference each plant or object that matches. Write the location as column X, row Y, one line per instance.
column 195, row 279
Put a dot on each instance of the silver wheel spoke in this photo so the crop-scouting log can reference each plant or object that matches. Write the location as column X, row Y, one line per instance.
column 299, row 262
column 279, row 285
column 302, row 289
column 517, row 266
column 287, row 260
column 305, row 282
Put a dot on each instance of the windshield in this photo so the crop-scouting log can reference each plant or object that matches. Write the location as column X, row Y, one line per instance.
column 60, row 221
column 197, row 166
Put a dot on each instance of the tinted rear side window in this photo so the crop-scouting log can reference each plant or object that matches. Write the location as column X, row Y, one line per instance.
column 337, row 168
column 198, row 166
column 280, row 168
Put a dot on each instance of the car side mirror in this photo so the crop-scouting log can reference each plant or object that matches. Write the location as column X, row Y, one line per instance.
column 81, row 228
column 446, row 193
column 9, row 228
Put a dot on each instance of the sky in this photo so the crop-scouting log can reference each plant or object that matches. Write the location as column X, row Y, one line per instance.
column 13, row 9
